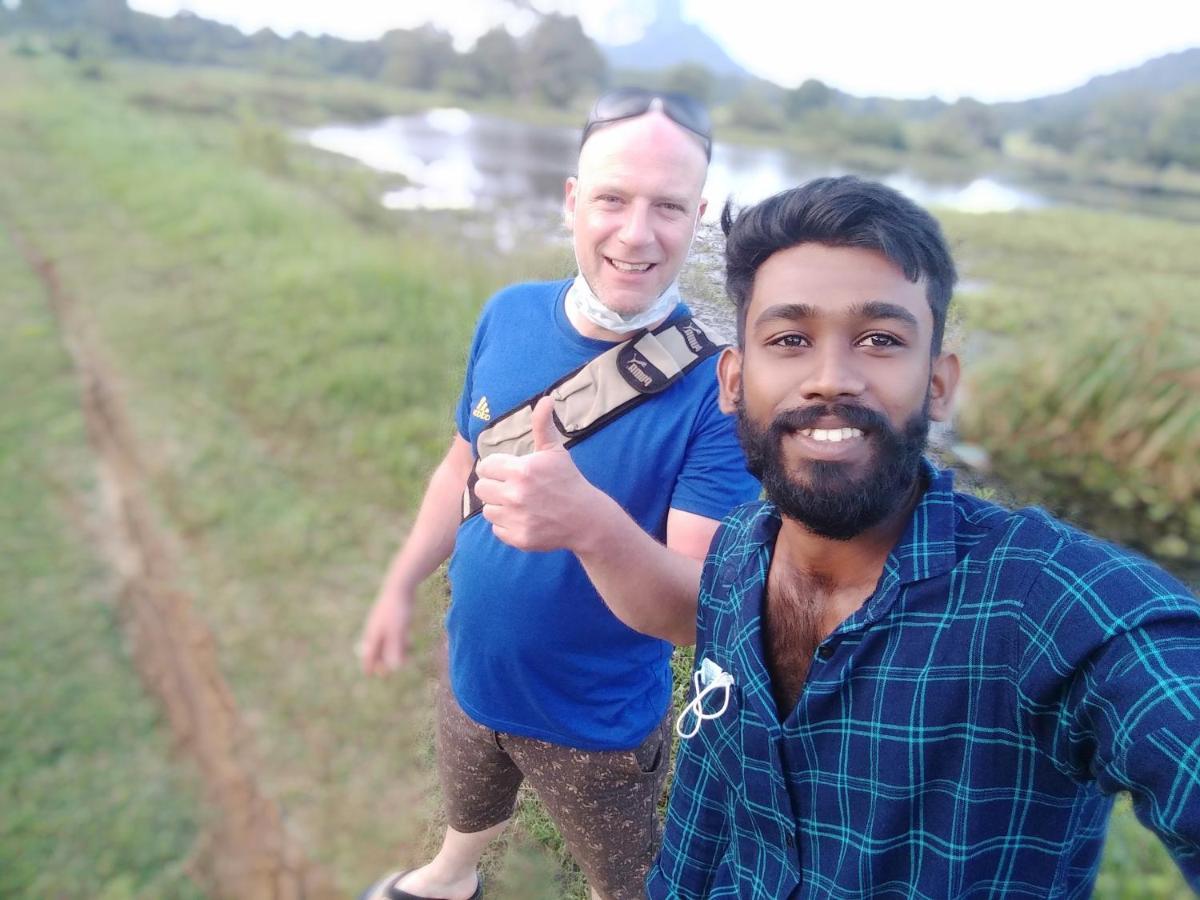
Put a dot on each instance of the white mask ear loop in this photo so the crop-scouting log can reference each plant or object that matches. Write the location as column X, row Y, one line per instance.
column 722, row 681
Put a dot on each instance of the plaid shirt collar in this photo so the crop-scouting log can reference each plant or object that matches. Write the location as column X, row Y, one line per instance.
column 926, row 550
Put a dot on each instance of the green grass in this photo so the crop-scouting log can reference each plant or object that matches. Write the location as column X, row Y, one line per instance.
column 1136, row 867
column 293, row 371
column 1049, row 270
column 290, row 357
column 93, row 804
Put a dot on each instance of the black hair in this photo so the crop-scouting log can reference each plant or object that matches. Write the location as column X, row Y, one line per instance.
column 839, row 212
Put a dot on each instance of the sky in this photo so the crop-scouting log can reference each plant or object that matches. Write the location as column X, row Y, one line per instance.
column 918, row 48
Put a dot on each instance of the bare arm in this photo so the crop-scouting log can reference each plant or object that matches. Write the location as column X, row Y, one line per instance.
column 542, row 502
column 429, row 543
column 650, row 587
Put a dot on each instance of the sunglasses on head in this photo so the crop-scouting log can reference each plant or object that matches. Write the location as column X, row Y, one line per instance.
column 629, row 103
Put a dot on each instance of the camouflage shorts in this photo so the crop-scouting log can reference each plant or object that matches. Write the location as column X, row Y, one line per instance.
column 604, row 802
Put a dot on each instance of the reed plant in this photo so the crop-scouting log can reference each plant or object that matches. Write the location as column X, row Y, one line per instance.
column 1101, row 422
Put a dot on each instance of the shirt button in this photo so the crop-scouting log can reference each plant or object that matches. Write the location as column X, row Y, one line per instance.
column 824, row 651
column 789, row 840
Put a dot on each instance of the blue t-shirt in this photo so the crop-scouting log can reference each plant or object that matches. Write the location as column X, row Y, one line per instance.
column 533, row 648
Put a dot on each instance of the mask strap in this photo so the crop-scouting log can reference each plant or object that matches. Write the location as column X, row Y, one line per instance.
column 723, row 681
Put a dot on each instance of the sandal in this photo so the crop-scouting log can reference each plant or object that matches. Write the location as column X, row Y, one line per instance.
column 386, row 889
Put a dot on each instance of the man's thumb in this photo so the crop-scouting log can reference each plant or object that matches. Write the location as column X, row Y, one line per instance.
column 546, row 435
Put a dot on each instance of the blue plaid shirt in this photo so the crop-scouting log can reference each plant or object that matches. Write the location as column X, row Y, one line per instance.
column 961, row 735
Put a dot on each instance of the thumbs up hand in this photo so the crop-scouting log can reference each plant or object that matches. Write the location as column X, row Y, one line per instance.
column 538, row 501
column 546, row 435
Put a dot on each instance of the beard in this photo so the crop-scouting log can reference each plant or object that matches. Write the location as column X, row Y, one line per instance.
column 834, row 503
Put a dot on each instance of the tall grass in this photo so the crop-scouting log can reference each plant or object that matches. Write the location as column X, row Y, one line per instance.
column 1102, row 423
column 1082, row 339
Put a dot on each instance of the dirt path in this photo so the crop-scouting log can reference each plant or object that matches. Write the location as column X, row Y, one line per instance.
column 245, row 850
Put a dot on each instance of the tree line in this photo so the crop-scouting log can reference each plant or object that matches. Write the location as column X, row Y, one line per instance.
column 552, row 64
column 557, row 65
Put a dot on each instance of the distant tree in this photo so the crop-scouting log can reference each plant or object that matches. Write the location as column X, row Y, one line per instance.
column 1063, row 133
column 811, row 94
column 752, row 109
column 362, row 58
column 186, row 37
column 975, row 121
column 136, row 34
column 1175, row 134
column 416, row 58
column 52, row 13
column 961, row 130
column 1117, row 128
column 560, row 62
column 109, row 15
column 935, row 139
column 877, row 130
column 183, row 38
column 456, row 79
column 492, row 64
column 267, row 40
column 301, row 54
column 692, row 79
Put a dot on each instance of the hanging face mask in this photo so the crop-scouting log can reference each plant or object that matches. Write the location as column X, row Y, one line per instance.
column 585, row 302
column 708, row 680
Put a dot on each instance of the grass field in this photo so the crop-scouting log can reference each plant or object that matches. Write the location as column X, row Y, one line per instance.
column 89, row 794
column 252, row 324
column 288, row 357
column 1083, row 337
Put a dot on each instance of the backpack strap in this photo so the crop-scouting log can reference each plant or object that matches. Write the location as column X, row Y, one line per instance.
column 599, row 391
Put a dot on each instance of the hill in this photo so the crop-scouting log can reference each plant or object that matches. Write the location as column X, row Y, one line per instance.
column 670, row 41
column 1156, row 77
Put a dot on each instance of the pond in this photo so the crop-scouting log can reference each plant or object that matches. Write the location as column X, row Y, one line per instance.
column 454, row 159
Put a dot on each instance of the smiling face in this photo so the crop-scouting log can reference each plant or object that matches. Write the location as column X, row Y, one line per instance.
column 835, row 385
column 633, row 208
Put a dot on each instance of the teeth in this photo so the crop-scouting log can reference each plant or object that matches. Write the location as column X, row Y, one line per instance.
column 630, row 267
column 831, row 434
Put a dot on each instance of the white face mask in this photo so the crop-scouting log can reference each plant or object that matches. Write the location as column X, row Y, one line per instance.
column 584, row 301
column 708, row 679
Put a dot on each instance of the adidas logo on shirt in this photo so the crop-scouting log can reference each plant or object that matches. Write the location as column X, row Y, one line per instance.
column 481, row 410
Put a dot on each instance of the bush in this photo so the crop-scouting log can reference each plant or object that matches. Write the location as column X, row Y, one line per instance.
column 264, row 146
column 24, row 47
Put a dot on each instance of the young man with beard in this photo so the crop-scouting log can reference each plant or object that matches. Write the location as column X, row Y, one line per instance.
column 546, row 684
column 904, row 691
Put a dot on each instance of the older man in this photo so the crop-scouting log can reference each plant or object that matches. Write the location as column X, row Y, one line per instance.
column 545, row 682
column 904, row 691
